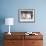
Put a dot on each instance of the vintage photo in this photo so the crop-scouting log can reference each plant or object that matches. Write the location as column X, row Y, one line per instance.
column 27, row 15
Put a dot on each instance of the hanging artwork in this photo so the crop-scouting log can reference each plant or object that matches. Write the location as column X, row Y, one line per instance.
column 26, row 15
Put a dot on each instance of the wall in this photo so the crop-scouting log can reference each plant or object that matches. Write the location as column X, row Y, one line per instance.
column 9, row 8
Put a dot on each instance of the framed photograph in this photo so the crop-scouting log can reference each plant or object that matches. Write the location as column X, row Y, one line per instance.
column 26, row 15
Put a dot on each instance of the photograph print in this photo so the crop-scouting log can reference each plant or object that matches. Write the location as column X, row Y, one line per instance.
column 26, row 15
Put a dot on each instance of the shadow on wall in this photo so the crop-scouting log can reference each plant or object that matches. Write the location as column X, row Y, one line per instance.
column 2, row 21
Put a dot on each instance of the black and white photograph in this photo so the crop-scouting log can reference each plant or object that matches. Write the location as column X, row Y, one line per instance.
column 26, row 15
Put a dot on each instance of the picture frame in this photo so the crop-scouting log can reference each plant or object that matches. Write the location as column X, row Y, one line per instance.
column 26, row 15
